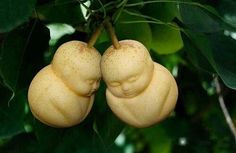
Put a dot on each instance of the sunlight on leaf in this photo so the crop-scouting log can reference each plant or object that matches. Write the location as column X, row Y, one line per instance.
column 120, row 140
column 57, row 30
column 166, row 40
column 141, row 32
column 220, row 52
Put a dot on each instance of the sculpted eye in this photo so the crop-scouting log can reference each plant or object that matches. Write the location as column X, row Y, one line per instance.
column 115, row 84
column 132, row 79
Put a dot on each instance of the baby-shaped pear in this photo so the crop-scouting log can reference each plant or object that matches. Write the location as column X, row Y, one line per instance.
column 139, row 91
column 62, row 93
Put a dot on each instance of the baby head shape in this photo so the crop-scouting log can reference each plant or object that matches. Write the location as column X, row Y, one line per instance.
column 78, row 66
column 128, row 70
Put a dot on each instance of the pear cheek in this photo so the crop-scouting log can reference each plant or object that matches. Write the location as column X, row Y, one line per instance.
column 150, row 106
column 116, row 91
column 84, row 88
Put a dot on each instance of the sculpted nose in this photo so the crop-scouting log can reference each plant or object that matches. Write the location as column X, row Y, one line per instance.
column 125, row 87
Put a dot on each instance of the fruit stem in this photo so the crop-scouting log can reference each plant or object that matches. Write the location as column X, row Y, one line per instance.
column 95, row 36
column 112, row 33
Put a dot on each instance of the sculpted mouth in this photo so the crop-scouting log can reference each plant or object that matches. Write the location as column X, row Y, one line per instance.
column 129, row 93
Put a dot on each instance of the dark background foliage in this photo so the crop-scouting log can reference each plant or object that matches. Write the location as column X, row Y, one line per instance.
column 194, row 39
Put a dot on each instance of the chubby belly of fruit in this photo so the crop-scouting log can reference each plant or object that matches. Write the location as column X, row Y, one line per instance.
column 151, row 106
column 53, row 103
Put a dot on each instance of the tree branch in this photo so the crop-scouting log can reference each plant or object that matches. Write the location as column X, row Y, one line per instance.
column 95, row 36
column 224, row 109
column 112, row 33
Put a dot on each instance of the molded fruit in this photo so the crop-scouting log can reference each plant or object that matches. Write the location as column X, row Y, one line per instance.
column 62, row 93
column 139, row 91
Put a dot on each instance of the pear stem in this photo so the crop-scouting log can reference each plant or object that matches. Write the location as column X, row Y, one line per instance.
column 95, row 36
column 112, row 33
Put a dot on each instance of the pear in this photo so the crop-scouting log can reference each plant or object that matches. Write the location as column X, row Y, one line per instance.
column 139, row 91
column 62, row 93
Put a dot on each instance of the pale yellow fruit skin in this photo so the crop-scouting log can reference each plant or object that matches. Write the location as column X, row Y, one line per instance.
column 76, row 64
column 152, row 105
column 153, row 102
column 53, row 103
column 124, row 65
column 59, row 95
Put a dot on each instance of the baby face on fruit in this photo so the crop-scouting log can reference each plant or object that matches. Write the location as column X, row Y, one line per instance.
column 79, row 67
column 88, row 84
column 130, row 84
column 128, row 71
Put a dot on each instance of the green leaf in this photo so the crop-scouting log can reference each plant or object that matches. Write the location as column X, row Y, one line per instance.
column 166, row 40
column 106, row 125
column 196, row 57
column 198, row 19
column 12, row 50
column 15, row 12
column 126, row 28
column 100, row 103
column 78, row 139
column 165, row 12
column 220, row 52
column 61, row 11
column 193, row 96
column 47, row 137
column 22, row 54
column 104, row 37
column 224, row 58
column 108, row 129
column 227, row 9
column 170, row 61
column 161, row 137
column 22, row 143
column 12, row 114
column 158, row 140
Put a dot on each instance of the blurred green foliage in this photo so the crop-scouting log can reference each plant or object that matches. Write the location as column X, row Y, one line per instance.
column 193, row 39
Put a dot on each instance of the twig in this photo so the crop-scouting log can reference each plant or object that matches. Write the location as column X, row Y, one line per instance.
column 103, row 8
column 150, row 20
column 85, row 6
column 224, row 109
column 121, row 8
column 95, row 36
column 111, row 31
column 162, row 1
column 184, row 3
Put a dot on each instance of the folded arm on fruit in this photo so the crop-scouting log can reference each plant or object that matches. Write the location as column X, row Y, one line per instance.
column 62, row 93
